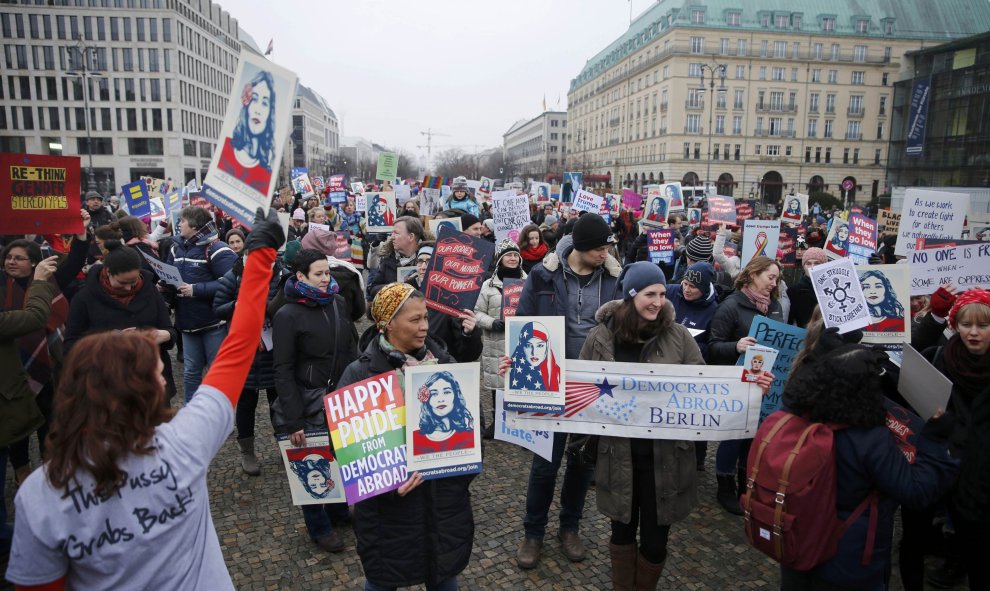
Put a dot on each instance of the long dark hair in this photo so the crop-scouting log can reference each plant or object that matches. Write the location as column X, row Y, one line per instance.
column 889, row 307
column 628, row 327
column 105, row 411
column 843, row 386
column 460, row 417
column 523, row 241
column 241, row 138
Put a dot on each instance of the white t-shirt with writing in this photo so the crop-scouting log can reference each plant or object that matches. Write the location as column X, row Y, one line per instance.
column 155, row 532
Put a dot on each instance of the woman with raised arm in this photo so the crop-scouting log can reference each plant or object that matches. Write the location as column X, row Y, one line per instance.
column 122, row 501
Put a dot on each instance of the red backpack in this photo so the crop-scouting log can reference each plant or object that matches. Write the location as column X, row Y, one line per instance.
column 789, row 505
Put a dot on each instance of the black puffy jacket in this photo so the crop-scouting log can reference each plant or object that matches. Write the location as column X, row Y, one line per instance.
column 731, row 323
column 425, row 536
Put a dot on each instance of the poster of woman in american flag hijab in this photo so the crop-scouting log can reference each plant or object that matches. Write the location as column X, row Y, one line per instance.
column 535, row 380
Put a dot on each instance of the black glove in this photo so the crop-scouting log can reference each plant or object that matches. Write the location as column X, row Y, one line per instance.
column 876, row 259
column 832, row 340
column 498, row 326
column 266, row 232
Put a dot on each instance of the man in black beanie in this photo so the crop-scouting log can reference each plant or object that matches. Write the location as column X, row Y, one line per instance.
column 574, row 285
column 698, row 250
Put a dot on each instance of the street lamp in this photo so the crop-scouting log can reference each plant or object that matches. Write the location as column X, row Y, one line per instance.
column 82, row 62
column 714, row 69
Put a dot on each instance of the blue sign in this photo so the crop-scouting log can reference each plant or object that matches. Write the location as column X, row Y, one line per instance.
column 136, row 199
column 920, row 97
column 787, row 340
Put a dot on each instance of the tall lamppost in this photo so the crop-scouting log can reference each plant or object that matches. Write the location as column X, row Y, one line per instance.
column 714, row 69
column 85, row 73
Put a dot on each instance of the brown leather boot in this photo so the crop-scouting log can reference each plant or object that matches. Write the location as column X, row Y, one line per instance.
column 528, row 554
column 623, row 566
column 647, row 574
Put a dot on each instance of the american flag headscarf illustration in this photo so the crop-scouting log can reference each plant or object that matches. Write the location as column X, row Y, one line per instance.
column 544, row 377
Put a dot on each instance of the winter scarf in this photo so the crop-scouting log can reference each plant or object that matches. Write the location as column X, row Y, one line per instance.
column 124, row 296
column 759, row 300
column 969, row 372
column 534, row 254
column 147, row 241
column 411, row 360
column 301, row 292
column 36, row 348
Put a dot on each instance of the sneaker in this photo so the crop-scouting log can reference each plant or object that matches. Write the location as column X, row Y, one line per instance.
column 528, row 554
column 571, row 544
column 331, row 543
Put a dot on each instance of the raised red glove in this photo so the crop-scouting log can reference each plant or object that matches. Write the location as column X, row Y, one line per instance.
column 942, row 301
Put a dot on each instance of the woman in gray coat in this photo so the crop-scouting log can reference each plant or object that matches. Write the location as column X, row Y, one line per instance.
column 644, row 485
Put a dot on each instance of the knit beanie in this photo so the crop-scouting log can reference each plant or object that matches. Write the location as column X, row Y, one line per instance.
column 299, row 214
column 232, row 232
column 388, row 301
column 815, row 254
column 699, row 248
column 468, row 220
column 425, row 248
column 700, row 275
column 551, row 220
column 638, row 276
column 292, row 248
column 591, row 232
column 503, row 248
column 972, row 296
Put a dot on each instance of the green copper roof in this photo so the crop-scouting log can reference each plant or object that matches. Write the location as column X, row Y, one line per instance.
column 939, row 20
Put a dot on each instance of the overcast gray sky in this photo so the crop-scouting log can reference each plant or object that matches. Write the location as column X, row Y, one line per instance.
column 467, row 68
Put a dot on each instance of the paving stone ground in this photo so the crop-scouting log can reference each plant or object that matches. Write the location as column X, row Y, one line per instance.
column 266, row 546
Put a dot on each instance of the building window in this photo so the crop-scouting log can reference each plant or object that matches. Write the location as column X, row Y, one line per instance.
column 845, row 155
column 736, row 125
column 697, row 45
column 835, row 52
column 797, row 21
column 781, row 21
column 883, row 105
column 828, row 24
column 697, row 151
column 775, row 126
column 856, row 105
column 833, row 76
column 816, row 76
column 715, row 151
column 818, row 155
column 780, row 49
column 693, row 124
column 773, row 150
column 807, row 155
column 859, row 53
column 101, row 146
column 740, row 72
column 720, row 124
column 858, row 78
column 764, row 45
column 812, row 127
column 741, row 47
column 765, row 21
column 856, row 156
column 830, row 103
column 876, row 156
column 694, row 70
column 819, row 48
column 879, row 131
column 813, row 103
column 794, row 74
column 189, row 148
column 828, row 128
column 888, row 27
column 757, row 149
column 852, row 131
column 723, row 46
column 777, row 73
column 883, row 79
column 145, row 147
column 862, row 26
column 738, row 151
column 763, row 72
column 687, row 150
column 828, row 155
column 734, row 19
column 737, row 100
column 698, row 17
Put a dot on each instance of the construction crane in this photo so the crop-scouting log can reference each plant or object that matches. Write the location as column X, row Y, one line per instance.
column 429, row 133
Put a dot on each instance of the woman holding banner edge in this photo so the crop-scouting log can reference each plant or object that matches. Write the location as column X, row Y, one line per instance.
column 643, row 485
column 424, row 531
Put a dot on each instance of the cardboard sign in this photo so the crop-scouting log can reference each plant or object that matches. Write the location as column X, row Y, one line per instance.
column 585, row 201
column 166, row 272
column 722, row 210
column 430, row 202
column 694, row 216
column 787, row 245
column 932, row 214
column 965, row 267
column 39, row 194
column 357, row 187
column 511, row 292
column 485, row 185
column 403, row 193
column 924, row 387
column 388, row 166
column 453, row 279
column 757, row 360
column 538, row 442
column 318, row 185
column 312, row 470
column 541, row 191
column 657, row 205
column 434, row 225
column 653, row 401
column 403, row 274
column 675, row 193
column 536, row 347
column 381, row 211
column 660, row 244
column 745, row 210
column 612, row 204
column 977, row 227
column 787, row 340
column 570, row 185
column 887, row 289
column 795, row 208
column 337, row 183
column 443, row 437
column 240, row 178
column 760, row 239
column 301, row 183
column 136, row 199
column 862, row 238
column 367, row 422
column 888, row 222
column 837, row 239
column 631, row 199
column 510, row 213
column 840, row 295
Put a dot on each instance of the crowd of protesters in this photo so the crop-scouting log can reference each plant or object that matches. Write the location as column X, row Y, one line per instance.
column 86, row 346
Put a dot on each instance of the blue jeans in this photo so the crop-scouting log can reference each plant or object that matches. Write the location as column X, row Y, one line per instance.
column 198, row 352
column 448, row 585
column 731, row 456
column 543, row 479
column 319, row 518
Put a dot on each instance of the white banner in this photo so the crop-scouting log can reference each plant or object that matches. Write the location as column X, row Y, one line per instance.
column 653, row 401
column 965, row 267
column 930, row 213
column 760, row 238
column 538, row 442
column 585, row 201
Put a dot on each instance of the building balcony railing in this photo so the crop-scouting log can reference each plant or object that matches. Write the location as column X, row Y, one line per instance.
column 694, row 105
column 760, row 107
column 789, row 134
column 693, row 131
column 813, row 109
column 853, row 112
column 663, row 107
column 738, row 107
column 759, row 133
column 854, row 136
column 830, row 110
column 613, row 122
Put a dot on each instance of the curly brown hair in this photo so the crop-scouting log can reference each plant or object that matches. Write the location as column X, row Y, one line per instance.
column 754, row 267
column 109, row 401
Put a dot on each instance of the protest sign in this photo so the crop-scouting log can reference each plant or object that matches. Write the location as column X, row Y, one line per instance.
column 337, row 182
column 837, row 240
column 357, row 187
column 173, row 201
column 862, row 238
column 301, row 183
column 381, row 211
column 511, row 291
column 632, row 199
column 312, row 470
column 657, row 205
column 965, row 267
column 660, row 245
column 318, row 184
column 675, row 193
column 722, row 210
column 445, row 192
column 930, row 243
column 572, row 183
column 434, row 182
column 541, row 191
column 435, row 225
column 840, row 295
column 158, row 187
column 653, row 401
column 585, row 201
column 403, row 193
column 694, row 216
column 745, row 209
column 760, row 239
column 611, row 204
column 39, row 194
column 510, row 213
column 932, row 214
column 360, row 202
column 888, row 222
column 924, row 387
column 336, row 197
column 757, row 359
column 453, row 279
column 536, row 347
column 538, row 442
column 136, row 199
column 166, row 272
column 795, row 208
column 444, row 418
column 977, row 227
column 887, row 289
column 430, row 202
column 403, row 274
column 388, row 166
column 367, row 422
column 240, row 178
column 485, row 186
column 787, row 245
column 787, row 341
